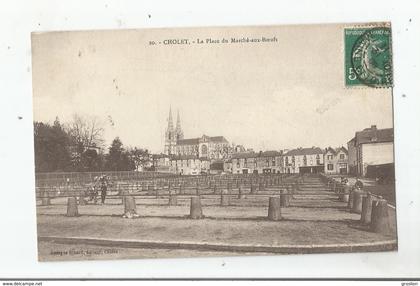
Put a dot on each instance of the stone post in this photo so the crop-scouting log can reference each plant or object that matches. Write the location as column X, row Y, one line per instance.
column 380, row 218
column 72, row 209
column 284, row 198
column 366, row 209
column 357, row 202
column 196, row 211
column 45, row 198
column 274, row 211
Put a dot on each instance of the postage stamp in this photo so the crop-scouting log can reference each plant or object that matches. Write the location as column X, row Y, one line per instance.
column 368, row 56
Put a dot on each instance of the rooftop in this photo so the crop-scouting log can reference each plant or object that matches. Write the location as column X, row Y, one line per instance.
column 335, row 151
column 243, row 155
column 196, row 141
column 305, row 151
column 374, row 135
column 188, row 157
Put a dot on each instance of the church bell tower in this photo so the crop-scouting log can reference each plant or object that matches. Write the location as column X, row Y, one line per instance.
column 172, row 135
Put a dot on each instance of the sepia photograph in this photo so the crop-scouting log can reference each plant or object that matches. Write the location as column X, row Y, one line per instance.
column 214, row 141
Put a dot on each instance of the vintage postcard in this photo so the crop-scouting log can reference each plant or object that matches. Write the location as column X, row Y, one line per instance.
column 186, row 142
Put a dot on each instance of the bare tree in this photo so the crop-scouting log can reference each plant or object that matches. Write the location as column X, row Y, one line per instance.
column 86, row 132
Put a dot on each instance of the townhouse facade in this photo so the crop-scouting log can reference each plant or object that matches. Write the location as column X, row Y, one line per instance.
column 256, row 163
column 370, row 147
column 336, row 161
column 304, row 160
column 189, row 165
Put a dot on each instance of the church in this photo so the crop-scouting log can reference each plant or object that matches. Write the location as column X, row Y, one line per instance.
column 209, row 147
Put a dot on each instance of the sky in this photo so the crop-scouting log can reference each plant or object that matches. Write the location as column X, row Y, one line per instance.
column 276, row 95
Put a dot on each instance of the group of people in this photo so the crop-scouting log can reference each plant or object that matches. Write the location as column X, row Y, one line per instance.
column 100, row 184
column 357, row 185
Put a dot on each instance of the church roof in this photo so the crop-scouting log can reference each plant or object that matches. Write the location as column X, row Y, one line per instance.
column 191, row 141
column 218, row 139
column 196, row 141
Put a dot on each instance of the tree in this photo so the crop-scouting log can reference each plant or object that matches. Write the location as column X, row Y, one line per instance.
column 92, row 160
column 51, row 144
column 118, row 159
column 86, row 133
column 139, row 157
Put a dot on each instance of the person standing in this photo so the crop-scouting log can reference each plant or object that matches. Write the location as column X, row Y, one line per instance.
column 104, row 186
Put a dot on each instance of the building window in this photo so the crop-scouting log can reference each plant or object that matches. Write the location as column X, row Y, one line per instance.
column 341, row 156
column 329, row 157
column 330, row 167
column 274, row 162
column 318, row 160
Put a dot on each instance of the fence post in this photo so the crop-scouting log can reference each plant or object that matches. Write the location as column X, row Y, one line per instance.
column 224, row 199
column 357, row 201
column 240, row 193
column 130, row 208
column 196, row 211
column 173, row 200
column 350, row 201
column 72, row 209
column 274, row 211
column 284, row 198
column 252, row 188
column 45, row 198
column 366, row 209
column 379, row 218
column 260, row 186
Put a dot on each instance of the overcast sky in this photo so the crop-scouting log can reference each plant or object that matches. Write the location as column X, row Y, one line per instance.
column 275, row 95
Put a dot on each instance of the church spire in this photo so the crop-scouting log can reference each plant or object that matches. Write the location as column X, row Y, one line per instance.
column 178, row 130
column 178, row 121
column 170, row 124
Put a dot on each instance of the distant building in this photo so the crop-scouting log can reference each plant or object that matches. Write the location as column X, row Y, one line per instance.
column 304, row 160
column 189, row 165
column 370, row 147
column 161, row 163
column 227, row 166
column 238, row 149
column 214, row 148
column 336, row 161
column 216, row 167
column 172, row 135
column 257, row 163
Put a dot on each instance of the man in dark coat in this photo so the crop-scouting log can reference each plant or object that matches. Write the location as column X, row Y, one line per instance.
column 103, row 182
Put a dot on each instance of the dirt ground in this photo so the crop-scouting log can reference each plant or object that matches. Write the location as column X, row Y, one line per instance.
column 315, row 218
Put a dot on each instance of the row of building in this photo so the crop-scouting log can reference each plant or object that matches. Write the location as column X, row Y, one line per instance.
column 214, row 154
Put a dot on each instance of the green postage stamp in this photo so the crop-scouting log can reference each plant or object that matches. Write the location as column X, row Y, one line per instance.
column 368, row 56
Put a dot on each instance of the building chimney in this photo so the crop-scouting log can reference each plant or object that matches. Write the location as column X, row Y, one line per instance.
column 373, row 127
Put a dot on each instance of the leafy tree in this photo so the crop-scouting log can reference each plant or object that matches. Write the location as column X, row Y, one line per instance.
column 51, row 144
column 118, row 158
column 139, row 157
